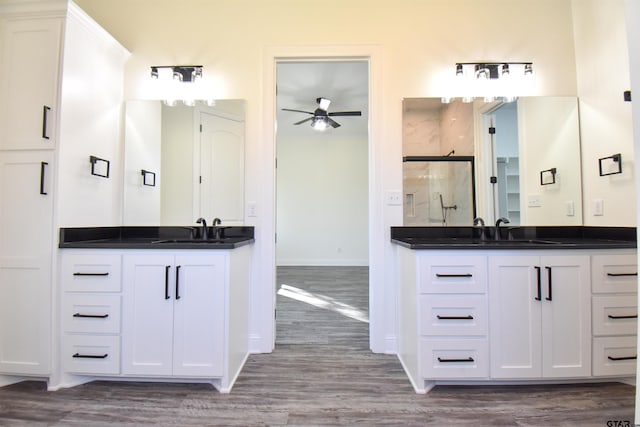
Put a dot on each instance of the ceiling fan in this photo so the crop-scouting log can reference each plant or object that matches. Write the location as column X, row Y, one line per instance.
column 321, row 119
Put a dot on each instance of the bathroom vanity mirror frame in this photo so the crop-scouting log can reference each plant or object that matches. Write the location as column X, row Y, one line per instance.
column 547, row 132
column 174, row 141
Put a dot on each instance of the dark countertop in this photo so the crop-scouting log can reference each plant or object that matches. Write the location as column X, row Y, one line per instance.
column 572, row 237
column 153, row 238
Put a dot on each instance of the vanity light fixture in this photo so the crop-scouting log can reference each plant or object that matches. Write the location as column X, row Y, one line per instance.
column 493, row 70
column 182, row 73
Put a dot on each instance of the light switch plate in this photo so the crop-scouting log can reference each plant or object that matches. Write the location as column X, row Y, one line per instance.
column 252, row 209
column 393, row 198
column 598, row 207
column 571, row 208
column 534, row 201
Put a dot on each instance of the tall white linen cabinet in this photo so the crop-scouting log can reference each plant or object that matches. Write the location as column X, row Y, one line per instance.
column 61, row 93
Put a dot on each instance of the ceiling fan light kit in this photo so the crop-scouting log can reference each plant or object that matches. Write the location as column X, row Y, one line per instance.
column 321, row 118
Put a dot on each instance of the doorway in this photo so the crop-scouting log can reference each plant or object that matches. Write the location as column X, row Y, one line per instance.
column 322, row 186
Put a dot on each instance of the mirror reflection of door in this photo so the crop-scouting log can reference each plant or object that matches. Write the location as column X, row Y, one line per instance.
column 221, row 163
column 502, row 130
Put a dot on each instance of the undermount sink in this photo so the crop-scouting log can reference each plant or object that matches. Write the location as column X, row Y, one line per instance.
column 196, row 241
column 515, row 242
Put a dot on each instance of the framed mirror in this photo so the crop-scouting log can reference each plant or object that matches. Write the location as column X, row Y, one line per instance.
column 196, row 155
column 510, row 144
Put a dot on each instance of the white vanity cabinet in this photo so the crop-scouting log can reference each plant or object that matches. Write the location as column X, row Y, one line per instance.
column 540, row 308
column 174, row 311
column 615, row 313
column 516, row 315
column 169, row 314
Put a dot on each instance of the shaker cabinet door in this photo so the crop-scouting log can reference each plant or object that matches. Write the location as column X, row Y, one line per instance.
column 29, row 82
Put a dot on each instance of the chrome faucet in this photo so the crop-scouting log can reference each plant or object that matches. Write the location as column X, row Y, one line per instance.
column 501, row 220
column 205, row 231
column 479, row 221
column 215, row 228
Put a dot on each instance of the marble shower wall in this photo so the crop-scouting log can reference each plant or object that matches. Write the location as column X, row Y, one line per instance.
column 431, row 128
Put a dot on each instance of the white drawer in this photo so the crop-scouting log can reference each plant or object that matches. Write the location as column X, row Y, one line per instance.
column 614, row 273
column 91, row 273
column 91, row 354
column 456, row 315
column 91, row 313
column 614, row 356
column 615, row 315
column 453, row 275
column 448, row 359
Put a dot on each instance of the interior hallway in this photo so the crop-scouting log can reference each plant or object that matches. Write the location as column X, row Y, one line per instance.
column 321, row 373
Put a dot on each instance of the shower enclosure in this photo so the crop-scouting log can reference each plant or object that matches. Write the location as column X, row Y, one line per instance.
column 439, row 190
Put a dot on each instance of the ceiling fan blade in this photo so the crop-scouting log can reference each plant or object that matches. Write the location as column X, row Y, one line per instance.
column 296, row 111
column 333, row 123
column 302, row 121
column 346, row 113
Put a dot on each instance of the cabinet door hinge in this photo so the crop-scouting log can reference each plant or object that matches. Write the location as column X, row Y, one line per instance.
column 492, row 130
column 200, row 127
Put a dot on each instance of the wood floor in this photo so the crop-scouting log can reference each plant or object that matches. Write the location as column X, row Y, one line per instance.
column 321, row 373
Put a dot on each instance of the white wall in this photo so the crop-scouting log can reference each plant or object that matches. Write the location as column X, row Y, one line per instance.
column 414, row 45
column 602, row 62
column 322, row 200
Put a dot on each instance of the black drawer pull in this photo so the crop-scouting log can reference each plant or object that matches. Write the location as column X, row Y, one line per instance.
column 90, row 274
column 622, row 358
column 469, row 317
column 454, row 275
column 45, row 114
column 43, row 168
column 468, row 359
column 90, row 356
column 630, row 316
column 91, row 316
column 622, row 274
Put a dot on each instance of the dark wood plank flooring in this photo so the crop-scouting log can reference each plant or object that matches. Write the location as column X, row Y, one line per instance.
column 321, row 373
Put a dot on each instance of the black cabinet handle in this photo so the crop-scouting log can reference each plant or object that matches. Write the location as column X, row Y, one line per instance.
column 549, row 297
column 91, row 356
column 166, row 281
column 454, row 275
column 622, row 358
column 622, row 274
column 629, row 316
column 469, row 317
column 91, row 274
column 43, row 166
column 178, row 282
column 45, row 114
column 468, row 359
column 539, row 297
column 92, row 316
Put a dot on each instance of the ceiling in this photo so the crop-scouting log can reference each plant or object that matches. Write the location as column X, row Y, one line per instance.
column 345, row 83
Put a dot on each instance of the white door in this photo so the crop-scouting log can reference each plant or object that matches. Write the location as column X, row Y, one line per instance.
column 221, row 168
column 26, row 211
column 566, row 316
column 29, row 82
column 514, row 316
column 148, row 299
column 199, row 316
